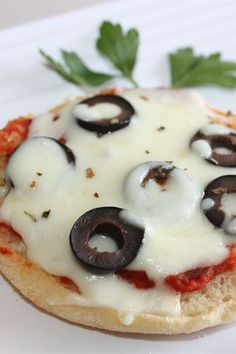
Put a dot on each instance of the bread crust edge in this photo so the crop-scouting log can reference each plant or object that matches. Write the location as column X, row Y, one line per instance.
column 46, row 292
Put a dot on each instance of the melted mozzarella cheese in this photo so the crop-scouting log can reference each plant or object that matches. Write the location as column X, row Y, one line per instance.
column 161, row 205
column 216, row 129
column 96, row 112
column 103, row 243
column 222, row 151
column 229, row 203
column 171, row 244
column 207, row 204
column 202, row 147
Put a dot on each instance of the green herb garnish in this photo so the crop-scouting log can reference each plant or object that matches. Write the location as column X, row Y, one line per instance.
column 188, row 69
column 75, row 71
column 119, row 47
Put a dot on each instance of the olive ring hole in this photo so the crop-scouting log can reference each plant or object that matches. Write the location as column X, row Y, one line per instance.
column 106, row 237
column 222, row 146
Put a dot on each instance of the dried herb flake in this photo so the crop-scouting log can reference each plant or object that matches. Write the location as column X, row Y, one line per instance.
column 46, row 213
column 32, row 217
column 89, row 173
column 220, row 190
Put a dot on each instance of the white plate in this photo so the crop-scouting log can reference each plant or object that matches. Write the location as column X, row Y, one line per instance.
column 28, row 86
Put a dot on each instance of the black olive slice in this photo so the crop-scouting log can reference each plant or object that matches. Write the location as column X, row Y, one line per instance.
column 110, row 222
column 106, row 125
column 227, row 141
column 68, row 152
column 212, row 200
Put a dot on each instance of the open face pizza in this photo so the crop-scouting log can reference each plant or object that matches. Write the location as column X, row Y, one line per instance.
column 117, row 211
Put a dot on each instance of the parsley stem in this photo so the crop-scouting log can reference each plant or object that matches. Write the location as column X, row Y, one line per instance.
column 133, row 81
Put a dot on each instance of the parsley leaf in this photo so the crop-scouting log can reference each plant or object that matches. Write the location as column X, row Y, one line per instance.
column 119, row 47
column 56, row 66
column 75, row 71
column 188, row 69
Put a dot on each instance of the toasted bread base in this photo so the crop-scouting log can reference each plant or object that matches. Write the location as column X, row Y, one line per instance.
column 214, row 305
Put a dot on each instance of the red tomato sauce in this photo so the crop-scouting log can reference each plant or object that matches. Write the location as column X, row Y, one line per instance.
column 13, row 134
column 197, row 279
column 6, row 251
column 191, row 280
column 66, row 280
column 138, row 278
column 7, row 228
